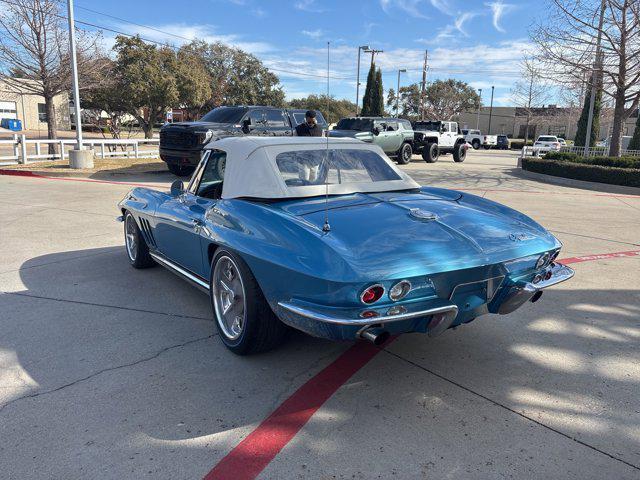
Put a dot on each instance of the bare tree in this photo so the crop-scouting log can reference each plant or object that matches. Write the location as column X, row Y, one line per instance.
column 530, row 92
column 34, row 53
column 570, row 37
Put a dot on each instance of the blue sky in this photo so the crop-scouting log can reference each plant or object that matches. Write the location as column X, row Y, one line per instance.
column 477, row 41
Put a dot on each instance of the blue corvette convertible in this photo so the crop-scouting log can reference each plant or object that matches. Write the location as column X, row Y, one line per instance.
column 328, row 236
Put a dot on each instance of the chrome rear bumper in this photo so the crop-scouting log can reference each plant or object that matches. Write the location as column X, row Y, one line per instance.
column 449, row 311
column 520, row 294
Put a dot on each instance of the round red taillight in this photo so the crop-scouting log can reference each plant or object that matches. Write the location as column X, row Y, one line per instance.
column 372, row 294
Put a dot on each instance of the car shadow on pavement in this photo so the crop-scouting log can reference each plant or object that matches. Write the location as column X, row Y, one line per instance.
column 130, row 361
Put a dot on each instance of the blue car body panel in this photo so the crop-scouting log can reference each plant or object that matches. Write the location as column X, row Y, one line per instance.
column 455, row 249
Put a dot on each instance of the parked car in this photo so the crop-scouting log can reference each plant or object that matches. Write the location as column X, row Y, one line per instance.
column 562, row 141
column 473, row 137
column 393, row 135
column 435, row 138
column 489, row 141
column 182, row 143
column 546, row 143
column 328, row 236
column 502, row 142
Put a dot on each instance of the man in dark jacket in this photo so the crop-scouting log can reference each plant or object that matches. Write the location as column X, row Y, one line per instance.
column 310, row 127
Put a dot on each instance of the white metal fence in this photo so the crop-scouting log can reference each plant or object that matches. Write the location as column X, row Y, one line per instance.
column 23, row 150
column 593, row 151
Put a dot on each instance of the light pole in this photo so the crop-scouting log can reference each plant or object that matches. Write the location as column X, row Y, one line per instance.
column 479, row 104
column 402, row 70
column 78, row 158
column 366, row 49
column 490, row 111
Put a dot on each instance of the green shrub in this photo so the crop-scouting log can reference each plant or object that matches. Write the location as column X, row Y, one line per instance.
column 518, row 143
column 589, row 172
column 620, row 162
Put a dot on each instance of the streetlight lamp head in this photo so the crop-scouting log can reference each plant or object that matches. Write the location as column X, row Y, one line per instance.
column 403, row 70
column 365, row 47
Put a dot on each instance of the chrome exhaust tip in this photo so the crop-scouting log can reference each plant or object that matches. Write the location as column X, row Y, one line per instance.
column 375, row 338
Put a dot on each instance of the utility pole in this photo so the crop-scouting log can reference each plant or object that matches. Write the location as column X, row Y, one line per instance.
column 373, row 52
column 78, row 158
column 402, row 70
column 366, row 49
column 479, row 105
column 423, row 89
column 597, row 67
column 490, row 111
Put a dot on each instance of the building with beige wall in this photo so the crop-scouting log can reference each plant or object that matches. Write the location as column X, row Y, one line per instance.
column 551, row 120
column 19, row 103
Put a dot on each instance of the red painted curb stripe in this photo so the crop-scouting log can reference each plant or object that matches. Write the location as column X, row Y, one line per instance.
column 256, row 451
column 27, row 173
column 601, row 256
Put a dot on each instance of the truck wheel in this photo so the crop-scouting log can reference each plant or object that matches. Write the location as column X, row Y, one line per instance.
column 180, row 170
column 475, row 144
column 244, row 318
column 459, row 153
column 487, row 147
column 430, row 153
column 404, row 154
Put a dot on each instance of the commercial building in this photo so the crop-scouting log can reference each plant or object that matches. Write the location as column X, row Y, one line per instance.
column 17, row 102
column 550, row 120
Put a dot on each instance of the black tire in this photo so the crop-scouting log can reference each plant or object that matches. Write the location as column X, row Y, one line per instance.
column 487, row 147
column 459, row 153
column 475, row 144
column 180, row 170
column 135, row 245
column 261, row 330
column 430, row 152
column 404, row 154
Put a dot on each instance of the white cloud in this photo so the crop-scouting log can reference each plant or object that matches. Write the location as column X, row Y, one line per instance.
column 499, row 9
column 180, row 33
column 308, row 6
column 462, row 19
column 412, row 7
column 443, row 6
column 315, row 34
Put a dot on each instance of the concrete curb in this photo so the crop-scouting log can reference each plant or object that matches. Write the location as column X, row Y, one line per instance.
column 570, row 182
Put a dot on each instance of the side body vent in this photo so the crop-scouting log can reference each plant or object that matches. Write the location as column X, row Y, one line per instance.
column 147, row 233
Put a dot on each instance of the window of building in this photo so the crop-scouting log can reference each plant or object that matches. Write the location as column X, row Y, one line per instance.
column 42, row 112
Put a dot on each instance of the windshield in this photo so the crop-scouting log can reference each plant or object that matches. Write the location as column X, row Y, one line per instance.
column 308, row 167
column 225, row 115
column 359, row 124
column 427, row 126
column 547, row 139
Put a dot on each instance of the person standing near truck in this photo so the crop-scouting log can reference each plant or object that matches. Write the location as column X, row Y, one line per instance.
column 310, row 127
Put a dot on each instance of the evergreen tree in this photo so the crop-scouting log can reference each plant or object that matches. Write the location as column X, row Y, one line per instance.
column 581, row 133
column 367, row 100
column 378, row 104
column 634, row 144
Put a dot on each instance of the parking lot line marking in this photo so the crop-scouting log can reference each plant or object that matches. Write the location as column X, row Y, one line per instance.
column 255, row 452
column 21, row 173
column 601, row 256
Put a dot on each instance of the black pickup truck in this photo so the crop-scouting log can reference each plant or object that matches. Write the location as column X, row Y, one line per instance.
column 181, row 143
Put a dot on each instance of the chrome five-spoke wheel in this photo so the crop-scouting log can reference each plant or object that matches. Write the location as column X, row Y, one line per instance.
column 229, row 297
column 131, row 237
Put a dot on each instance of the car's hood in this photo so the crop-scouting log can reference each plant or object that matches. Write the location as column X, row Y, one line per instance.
column 399, row 232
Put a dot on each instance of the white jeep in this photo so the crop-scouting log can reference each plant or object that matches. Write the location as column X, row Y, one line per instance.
column 432, row 138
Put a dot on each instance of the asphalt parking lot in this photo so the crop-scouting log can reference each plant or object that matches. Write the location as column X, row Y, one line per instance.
column 118, row 373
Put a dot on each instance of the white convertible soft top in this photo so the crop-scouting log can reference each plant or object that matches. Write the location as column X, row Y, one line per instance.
column 251, row 169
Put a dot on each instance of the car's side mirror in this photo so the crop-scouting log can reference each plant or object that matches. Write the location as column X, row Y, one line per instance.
column 376, row 131
column 246, row 125
column 177, row 188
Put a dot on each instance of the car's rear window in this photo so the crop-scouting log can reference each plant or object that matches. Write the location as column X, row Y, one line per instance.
column 333, row 166
column 547, row 139
column 225, row 115
column 359, row 124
